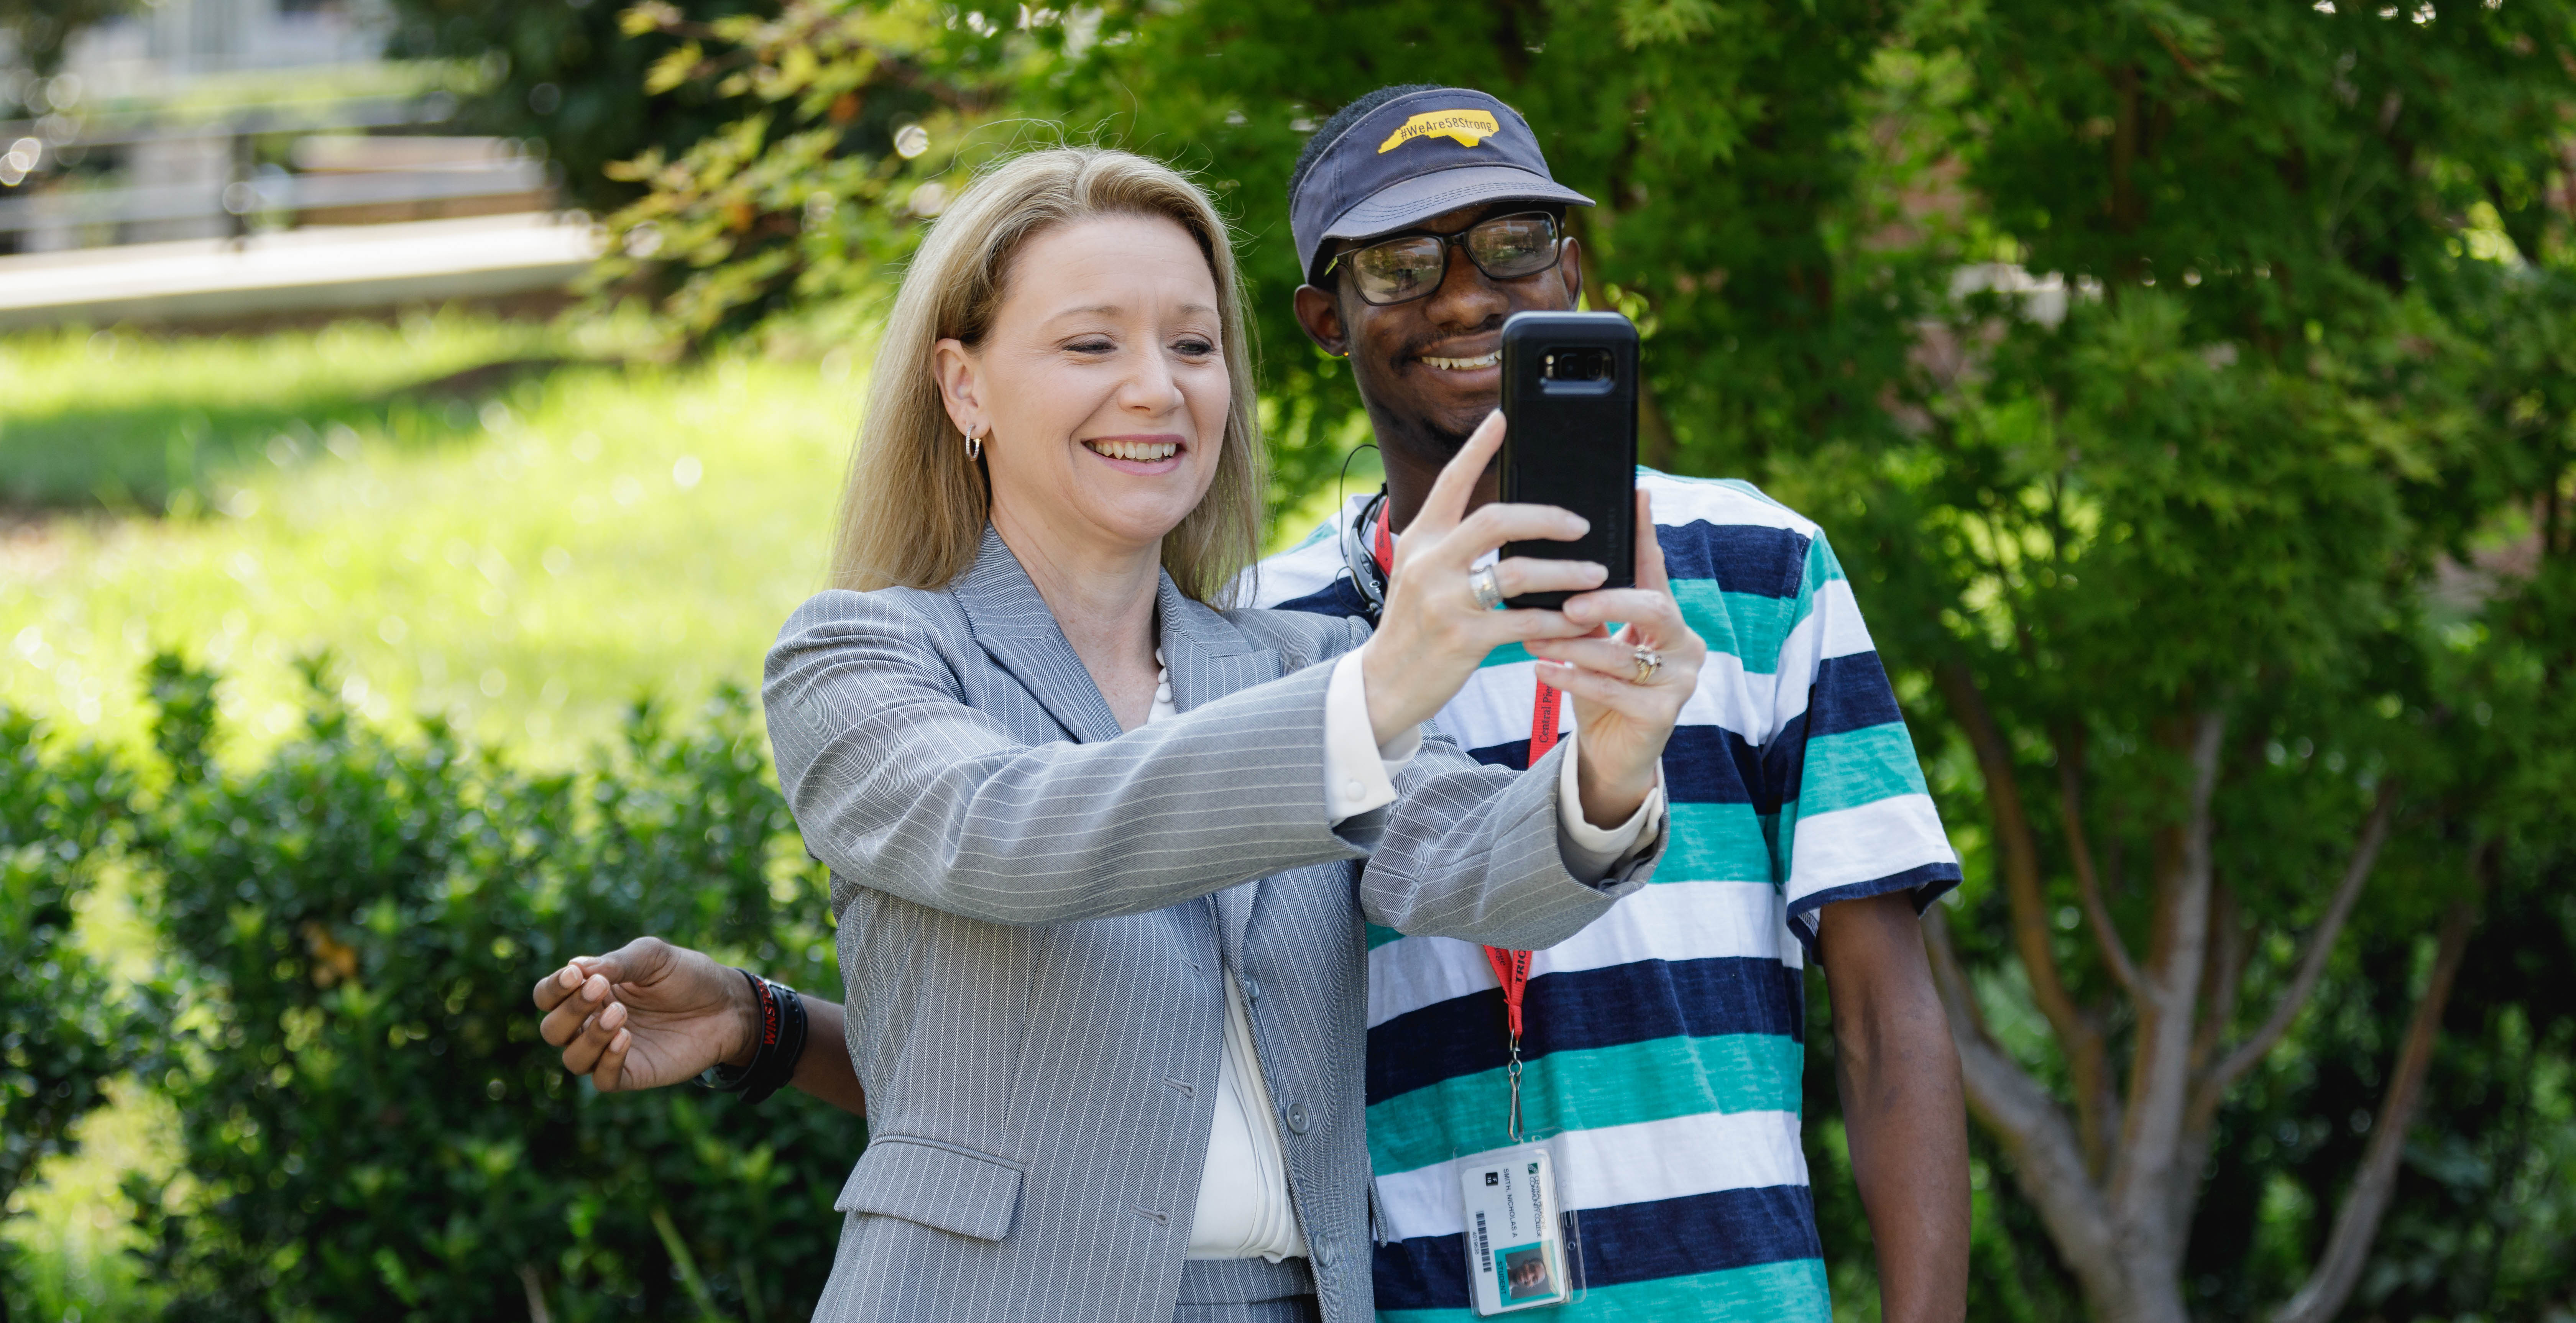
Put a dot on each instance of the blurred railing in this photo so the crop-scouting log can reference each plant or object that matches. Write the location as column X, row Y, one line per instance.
column 337, row 172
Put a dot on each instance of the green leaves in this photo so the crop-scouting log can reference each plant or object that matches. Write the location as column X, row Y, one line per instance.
column 370, row 1125
column 1648, row 22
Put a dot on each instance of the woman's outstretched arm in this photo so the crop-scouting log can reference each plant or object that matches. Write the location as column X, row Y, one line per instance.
column 649, row 1014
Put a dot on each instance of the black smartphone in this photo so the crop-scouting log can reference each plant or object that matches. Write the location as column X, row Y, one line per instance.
column 1570, row 405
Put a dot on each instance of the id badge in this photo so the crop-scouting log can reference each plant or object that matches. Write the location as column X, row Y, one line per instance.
column 1516, row 1251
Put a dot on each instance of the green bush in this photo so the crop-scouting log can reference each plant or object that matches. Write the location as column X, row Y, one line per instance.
column 370, row 1127
column 65, row 1029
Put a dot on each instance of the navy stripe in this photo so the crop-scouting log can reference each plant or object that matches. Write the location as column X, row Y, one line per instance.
column 1702, row 765
column 1587, row 1008
column 1714, row 765
column 1928, row 882
column 1337, row 598
column 1646, row 1242
column 1742, row 558
column 1850, row 692
column 1514, row 755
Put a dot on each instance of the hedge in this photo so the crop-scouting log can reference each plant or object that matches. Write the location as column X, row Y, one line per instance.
column 350, row 925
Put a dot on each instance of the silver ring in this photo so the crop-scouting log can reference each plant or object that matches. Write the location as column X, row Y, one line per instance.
column 1487, row 586
column 1648, row 662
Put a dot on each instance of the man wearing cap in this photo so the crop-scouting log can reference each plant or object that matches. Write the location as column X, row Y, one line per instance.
column 1661, row 1048
column 1660, row 1055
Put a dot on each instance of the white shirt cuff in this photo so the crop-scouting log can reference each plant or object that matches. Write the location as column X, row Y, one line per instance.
column 1359, row 773
column 1591, row 853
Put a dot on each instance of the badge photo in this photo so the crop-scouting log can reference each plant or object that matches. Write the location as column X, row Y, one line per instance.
column 1516, row 1241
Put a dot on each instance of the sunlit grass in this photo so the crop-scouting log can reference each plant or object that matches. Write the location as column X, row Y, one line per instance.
column 585, row 537
column 110, row 419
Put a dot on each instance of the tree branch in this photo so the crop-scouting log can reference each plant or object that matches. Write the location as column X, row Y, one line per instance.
column 2152, row 1129
column 2017, row 848
column 2312, row 963
column 2047, row 1161
column 2356, row 1223
column 2222, row 981
column 2070, row 806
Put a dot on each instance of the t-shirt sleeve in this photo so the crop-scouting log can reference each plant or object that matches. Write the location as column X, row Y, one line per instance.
column 1855, row 818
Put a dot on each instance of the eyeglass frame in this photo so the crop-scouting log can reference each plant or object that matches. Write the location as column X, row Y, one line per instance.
column 1458, row 240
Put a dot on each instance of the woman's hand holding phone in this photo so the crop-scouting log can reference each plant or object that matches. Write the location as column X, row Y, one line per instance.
column 1434, row 632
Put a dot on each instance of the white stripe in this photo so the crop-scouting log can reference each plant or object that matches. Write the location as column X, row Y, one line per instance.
column 1626, row 1164
column 1683, row 500
column 1845, row 633
column 1668, row 921
column 1860, row 844
column 1832, row 629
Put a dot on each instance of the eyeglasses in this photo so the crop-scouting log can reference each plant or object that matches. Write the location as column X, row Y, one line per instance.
column 1409, row 267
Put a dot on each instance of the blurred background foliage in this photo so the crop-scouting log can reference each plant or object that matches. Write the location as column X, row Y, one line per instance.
column 2187, row 388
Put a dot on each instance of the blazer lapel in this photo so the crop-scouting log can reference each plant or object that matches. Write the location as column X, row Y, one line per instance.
column 1013, row 624
column 1206, row 658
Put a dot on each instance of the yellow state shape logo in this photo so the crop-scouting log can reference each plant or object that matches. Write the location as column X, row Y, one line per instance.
column 1469, row 128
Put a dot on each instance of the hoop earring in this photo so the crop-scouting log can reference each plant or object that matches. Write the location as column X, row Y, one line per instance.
column 974, row 446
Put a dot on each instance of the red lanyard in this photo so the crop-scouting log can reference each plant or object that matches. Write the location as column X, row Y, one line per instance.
column 1511, row 968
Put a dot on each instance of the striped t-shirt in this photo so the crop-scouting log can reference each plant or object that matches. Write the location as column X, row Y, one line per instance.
column 1663, row 1043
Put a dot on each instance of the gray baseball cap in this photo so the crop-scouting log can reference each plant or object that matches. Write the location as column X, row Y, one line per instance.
column 1413, row 158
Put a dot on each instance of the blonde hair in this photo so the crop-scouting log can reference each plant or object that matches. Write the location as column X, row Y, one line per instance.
column 914, row 507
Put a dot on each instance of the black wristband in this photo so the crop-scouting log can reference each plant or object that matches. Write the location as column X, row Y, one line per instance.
column 774, row 1057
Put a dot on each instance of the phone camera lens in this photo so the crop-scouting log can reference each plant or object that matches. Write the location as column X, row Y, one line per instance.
column 1577, row 365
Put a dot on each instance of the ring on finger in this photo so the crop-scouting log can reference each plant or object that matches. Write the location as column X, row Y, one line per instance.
column 1648, row 663
column 1487, row 586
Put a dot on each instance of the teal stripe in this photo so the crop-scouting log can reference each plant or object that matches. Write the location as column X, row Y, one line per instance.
column 1857, row 768
column 1592, row 1089
column 1822, row 567
column 1791, row 1292
column 1746, row 626
column 1378, row 936
column 1717, row 843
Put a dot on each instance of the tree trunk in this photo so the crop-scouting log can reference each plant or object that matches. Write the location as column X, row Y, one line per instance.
column 2356, row 1224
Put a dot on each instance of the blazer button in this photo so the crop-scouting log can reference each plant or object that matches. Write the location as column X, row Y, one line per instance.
column 1252, row 989
column 1297, row 1119
column 1315, row 1251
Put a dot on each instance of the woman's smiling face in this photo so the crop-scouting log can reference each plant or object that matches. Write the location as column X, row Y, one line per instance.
column 1101, row 386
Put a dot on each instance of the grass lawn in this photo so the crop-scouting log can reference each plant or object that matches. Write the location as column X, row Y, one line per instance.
column 528, row 562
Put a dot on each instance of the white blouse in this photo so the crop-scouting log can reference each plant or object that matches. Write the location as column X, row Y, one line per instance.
column 1243, row 1206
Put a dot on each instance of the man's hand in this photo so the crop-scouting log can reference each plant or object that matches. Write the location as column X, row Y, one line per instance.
column 647, row 1014
column 1902, row 1105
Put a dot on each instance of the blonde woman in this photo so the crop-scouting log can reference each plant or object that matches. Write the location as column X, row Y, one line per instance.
column 1097, row 844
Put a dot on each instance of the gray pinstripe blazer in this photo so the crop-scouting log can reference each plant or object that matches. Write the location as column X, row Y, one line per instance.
column 1036, row 909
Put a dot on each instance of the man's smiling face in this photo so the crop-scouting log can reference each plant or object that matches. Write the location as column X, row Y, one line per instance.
column 1429, row 369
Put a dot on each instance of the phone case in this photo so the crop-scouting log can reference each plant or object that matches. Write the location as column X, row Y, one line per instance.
column 1572, row 437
